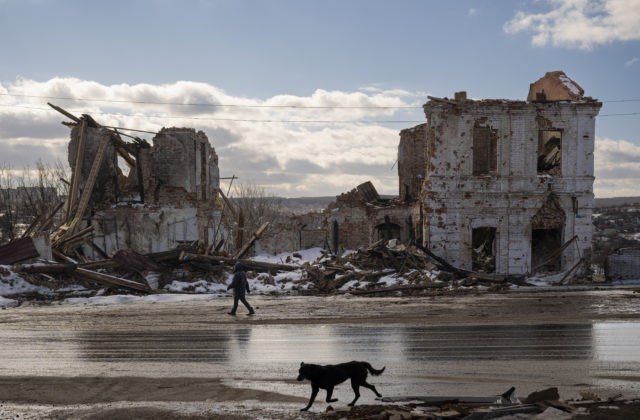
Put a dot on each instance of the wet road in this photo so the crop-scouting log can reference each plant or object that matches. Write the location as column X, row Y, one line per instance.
column 437, row 355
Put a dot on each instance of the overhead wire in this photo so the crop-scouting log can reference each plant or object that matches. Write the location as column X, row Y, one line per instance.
column 249, row 120
column 244, row 105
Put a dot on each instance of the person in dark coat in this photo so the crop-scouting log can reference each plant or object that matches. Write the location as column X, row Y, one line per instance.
column 239, row 284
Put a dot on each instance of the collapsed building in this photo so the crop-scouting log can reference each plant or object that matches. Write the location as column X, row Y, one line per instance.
column 498, row 186
column 140, row 196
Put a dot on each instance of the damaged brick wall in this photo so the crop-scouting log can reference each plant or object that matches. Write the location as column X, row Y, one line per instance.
column 458, row 198
column 180, row 180
column 411, row 162
column 178, row 165
column 105, row 191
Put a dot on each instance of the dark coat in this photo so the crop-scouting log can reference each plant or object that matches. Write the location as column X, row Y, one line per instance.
column 239, row 283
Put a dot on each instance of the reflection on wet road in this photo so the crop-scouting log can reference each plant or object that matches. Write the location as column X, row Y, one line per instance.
column 331, row 343
column 419, row 359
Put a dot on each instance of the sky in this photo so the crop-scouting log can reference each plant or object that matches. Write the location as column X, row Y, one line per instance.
column 307, row 98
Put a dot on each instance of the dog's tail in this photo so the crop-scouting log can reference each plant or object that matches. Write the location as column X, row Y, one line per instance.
column 373, row 371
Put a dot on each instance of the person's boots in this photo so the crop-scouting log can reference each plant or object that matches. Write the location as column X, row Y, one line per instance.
column 231, row 313
column 251, row 312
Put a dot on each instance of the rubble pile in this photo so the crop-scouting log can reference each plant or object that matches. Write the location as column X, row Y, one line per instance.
column 545, row 404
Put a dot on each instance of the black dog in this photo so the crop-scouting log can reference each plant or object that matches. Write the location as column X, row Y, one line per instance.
column 328, row 376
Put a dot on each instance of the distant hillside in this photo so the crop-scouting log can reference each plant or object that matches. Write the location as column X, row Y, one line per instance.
column 615, row 201
column 307, row 204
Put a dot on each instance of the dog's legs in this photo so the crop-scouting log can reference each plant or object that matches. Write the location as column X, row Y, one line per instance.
column 356, row 390
column 329, row 393
column 314, row 392
column 371, row 387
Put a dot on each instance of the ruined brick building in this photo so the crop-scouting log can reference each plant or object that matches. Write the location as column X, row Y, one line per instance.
column 145, row 197
column 506, row 182
column 494, row 185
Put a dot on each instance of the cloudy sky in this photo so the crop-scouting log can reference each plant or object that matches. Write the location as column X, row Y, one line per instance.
column 307, row 97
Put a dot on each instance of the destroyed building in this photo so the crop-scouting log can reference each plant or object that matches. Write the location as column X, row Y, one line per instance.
column 495, row 185
column 508, row 185
column 140, row 196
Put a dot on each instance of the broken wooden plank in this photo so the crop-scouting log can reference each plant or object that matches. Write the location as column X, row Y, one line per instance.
column 254, row 238
column 96, row 248
column 445, row 265
column 45, row 225
column 111, row 280
column 555, row 253
column 62, row 257
column 76, row 236
column 63, row 112
column 257, row 265
column 32, row 226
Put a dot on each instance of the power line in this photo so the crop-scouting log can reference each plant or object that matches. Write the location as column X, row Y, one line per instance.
column 214, row 105
column 242, row 105
column 233, row 119
column 265, row 121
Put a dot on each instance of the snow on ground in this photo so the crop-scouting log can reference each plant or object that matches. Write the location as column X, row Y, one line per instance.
column 11, row 283
column 296, row 258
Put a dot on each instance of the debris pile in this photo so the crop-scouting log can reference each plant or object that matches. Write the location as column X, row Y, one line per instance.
column 545, row 404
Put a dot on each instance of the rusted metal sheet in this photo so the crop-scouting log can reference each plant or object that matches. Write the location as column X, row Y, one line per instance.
column 18, row 250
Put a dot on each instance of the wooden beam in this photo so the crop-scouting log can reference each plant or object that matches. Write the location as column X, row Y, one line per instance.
column 111, row 280
column 254, row 238
column 96, row 248
column 555, row 253
column 91, row 180
column 32, row 226
column 63, row 112
column 49, row 219
column 258, row 265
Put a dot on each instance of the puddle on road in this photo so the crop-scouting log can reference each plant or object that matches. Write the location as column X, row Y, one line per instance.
column 328, row 343
column 471, row 360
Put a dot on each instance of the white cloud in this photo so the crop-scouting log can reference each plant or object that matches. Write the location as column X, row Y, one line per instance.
column 580, row 23
column 632, row 62
column 271, row 154
column 617, row 168
column 471, row 12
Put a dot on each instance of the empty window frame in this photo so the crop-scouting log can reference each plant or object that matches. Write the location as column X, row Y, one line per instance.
column 483, row 254
column 549, row 152
column 485, row 151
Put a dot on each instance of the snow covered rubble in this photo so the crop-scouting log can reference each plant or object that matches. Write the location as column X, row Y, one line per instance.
column 358, row 272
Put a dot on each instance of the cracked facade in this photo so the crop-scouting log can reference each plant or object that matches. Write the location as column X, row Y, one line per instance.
column 496, row 186
column 509, row 182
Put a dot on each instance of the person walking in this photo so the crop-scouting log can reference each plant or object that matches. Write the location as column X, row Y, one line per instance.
column 239, row 284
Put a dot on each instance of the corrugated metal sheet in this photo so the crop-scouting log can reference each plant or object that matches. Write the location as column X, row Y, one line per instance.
column 625, row 264
column 18, row 250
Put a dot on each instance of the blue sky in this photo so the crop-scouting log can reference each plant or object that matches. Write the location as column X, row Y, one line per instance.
column 355, row 52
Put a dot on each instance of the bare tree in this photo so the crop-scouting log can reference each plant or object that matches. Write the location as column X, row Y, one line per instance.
column 254, row 207
column 8, row 214
column 27, row 194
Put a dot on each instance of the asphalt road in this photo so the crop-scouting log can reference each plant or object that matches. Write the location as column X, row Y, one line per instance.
column 470, row 345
